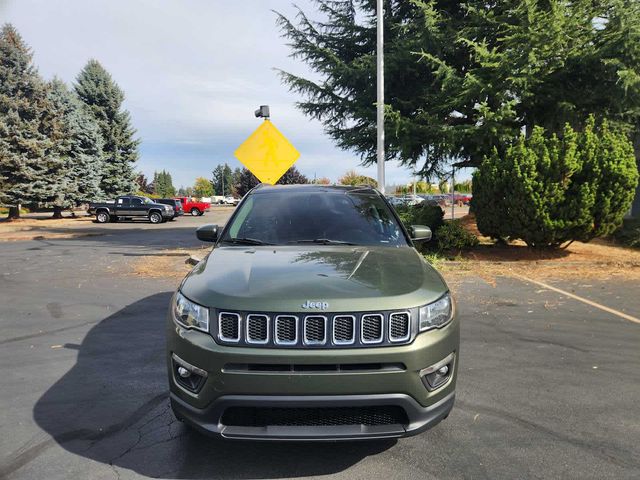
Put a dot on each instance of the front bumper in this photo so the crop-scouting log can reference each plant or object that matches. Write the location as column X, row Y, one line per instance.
column 207, row 420
column 225, row 386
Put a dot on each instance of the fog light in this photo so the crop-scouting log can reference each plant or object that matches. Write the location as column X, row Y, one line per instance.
column 437, row 375
column 188, row 376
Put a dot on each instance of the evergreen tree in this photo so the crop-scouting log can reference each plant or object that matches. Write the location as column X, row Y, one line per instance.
column 29, row 166
column 104, row 99
column 79, row 146
column 223, row 179
column 170, row 190
column 248, row 180
column 547, row 190
column 237, row 173
column 163, row 184
column 464, row 77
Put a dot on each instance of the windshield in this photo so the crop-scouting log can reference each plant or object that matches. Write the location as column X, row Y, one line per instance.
column 323, row 217
column 146, row 200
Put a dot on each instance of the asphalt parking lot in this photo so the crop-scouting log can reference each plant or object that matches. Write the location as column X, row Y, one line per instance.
column 549, row 386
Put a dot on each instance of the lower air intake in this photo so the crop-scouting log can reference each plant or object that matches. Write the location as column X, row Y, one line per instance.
column 314, row 417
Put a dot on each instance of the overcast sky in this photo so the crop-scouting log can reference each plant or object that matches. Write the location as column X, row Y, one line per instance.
column 193, row 72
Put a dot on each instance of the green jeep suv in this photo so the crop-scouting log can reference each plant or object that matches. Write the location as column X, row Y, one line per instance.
column 312, row 318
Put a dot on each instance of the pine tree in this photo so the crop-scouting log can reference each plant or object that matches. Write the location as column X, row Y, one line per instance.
column 170, row 190
column 79, row 146
column 463, row 78
column 104, row 98
column 163, row 184
column 547, row 190
column 29, row 167
column 248, row 180
column 222, row 179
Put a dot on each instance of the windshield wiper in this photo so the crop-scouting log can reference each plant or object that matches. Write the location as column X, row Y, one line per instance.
column 245, row 241
column 324, row 241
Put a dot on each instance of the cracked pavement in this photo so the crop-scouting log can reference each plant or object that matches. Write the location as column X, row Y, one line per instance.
column 548, row 387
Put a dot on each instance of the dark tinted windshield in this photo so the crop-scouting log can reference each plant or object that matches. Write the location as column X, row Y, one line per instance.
column 324, row 217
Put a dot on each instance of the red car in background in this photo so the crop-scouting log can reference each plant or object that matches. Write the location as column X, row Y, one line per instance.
column 464, row 198
column 193, row 207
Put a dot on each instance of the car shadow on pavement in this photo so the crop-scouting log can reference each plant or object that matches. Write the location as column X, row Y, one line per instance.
column 112, row 407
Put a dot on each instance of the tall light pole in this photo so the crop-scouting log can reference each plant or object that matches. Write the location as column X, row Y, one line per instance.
column 380, row 94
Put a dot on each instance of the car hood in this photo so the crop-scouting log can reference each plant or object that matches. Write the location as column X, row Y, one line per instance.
column 284, row 278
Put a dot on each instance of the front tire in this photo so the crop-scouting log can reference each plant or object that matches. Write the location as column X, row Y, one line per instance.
column 102, row 217
column 155, row 217
column 195, row 212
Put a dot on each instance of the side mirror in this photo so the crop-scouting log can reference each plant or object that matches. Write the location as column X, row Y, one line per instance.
column 420, row 233
column 207, row 233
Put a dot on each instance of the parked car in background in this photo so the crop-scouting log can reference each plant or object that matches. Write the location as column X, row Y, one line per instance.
column 396, row 201
column 130, row 207
column 412, row 200
column 176, row 204
column 191, row 206
column 464, row 198
column 214, row 199
column 229, row 200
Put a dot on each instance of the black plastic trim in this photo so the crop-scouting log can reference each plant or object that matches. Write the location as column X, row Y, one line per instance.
column 207, row 420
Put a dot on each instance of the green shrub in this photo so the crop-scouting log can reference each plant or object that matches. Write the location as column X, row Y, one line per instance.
column 453, row 236
column 547, row 190
column 422, row 214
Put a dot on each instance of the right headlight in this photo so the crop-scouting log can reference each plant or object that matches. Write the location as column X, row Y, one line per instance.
column 189, row 314
column 436, row 314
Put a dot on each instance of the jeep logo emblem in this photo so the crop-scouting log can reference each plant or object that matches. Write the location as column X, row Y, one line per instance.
column 320, row 305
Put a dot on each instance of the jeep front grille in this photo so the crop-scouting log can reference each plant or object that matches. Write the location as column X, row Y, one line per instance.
column 344, row 329
column 286, row 330
column 372, row 330
column 229, row 326
column 315, row 332
column 326, row 330
column 257, row 329
column 399, row 326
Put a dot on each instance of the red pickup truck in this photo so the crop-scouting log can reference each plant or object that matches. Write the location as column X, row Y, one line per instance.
column 194, row 208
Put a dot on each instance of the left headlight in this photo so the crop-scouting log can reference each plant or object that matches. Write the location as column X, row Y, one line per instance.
column 189, row 314
column 436, row 314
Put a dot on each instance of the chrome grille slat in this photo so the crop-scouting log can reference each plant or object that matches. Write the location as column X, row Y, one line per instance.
column 257, row 329
column 344, row 329
column 372, row 328
column 315, row 330
column 286, row 330
column 399, row 326
column 229, row 327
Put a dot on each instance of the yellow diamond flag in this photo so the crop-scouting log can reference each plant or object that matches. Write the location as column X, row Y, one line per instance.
column 267, row 153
